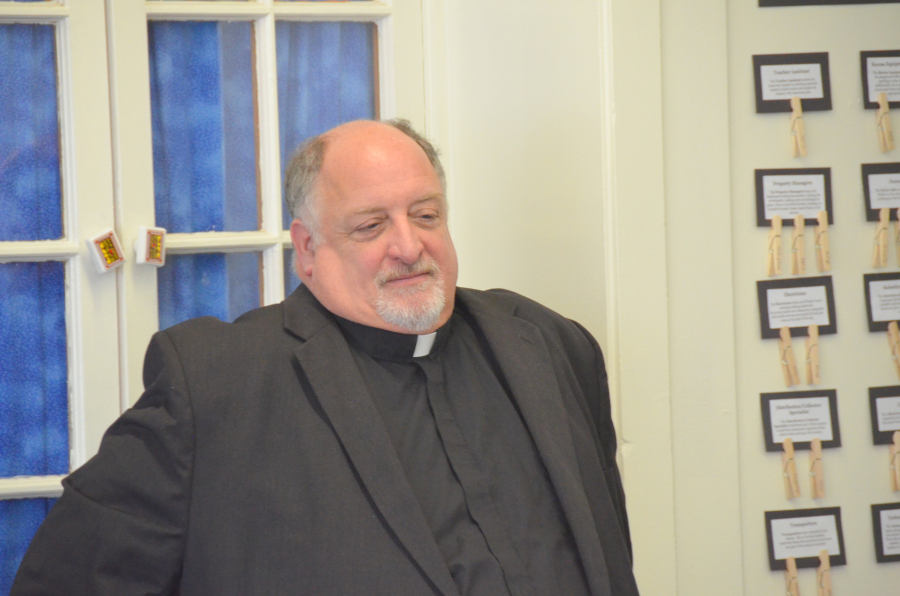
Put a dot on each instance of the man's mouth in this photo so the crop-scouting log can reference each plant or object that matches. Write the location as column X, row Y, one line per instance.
column 409, row 279
column 407, row 276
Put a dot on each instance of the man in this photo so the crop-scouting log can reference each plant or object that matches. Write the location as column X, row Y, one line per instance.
column 380, row 432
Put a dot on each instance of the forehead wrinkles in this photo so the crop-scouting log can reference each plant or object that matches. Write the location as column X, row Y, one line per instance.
column 372, row 155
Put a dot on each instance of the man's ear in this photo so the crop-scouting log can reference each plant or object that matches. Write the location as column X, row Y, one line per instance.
column 305, row 249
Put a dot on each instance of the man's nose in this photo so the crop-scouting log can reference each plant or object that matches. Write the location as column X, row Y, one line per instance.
column 405, row 243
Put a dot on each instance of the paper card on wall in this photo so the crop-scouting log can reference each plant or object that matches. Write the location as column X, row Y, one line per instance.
column 884, row 406
column 800, row 416
column 779, row 77
column 886, row 529
column 881, row 188
column 796, row 303
column 802, row 533
column 791, row 192
column 880, row 73
column 882, row 299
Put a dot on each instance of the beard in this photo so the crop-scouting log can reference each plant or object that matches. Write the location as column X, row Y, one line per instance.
column 416, row 308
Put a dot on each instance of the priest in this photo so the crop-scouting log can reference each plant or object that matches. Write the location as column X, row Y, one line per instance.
column 380, row 432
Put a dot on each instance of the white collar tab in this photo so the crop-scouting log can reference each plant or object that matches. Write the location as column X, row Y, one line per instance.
column 424, row 344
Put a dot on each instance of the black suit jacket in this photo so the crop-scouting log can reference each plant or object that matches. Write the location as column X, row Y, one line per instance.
column 256, row 463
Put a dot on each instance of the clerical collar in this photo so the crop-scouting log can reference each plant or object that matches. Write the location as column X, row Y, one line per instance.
column 390, row 345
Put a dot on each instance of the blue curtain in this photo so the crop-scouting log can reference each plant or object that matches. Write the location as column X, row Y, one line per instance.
column 33, row 401
column 34, row 415
column 19, row 520
column 204, row 140
column 34, row 434
column 204, row 162
column 29, row 134
column 326, row 76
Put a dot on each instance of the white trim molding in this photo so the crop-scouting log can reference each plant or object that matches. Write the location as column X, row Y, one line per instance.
column 636, row 279
column 31, row 487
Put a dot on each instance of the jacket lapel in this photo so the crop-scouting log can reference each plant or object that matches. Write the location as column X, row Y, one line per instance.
column 525, row 360
column 326, row 359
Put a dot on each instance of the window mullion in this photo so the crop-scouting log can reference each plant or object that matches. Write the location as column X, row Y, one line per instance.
column 223, row 10
column 88, row 196
column 266, row 81
column 29, row 487
column 333, row 11
column 133, row 172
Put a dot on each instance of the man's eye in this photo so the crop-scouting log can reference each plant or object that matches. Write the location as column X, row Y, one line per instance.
column 367, row 230
column 428, row 217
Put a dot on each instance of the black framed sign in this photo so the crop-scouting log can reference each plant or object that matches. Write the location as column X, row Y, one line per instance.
column 886, row 528
column 802, row 533
column 800, row 416
column 790, row 192
column 796, row 303
column 880, row 73
column 770, row 3
column 881, row 188
column 779, row 77
column 884, row 405
column 882, row 299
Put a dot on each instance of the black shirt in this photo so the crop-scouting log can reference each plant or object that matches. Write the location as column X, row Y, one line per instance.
column 470, row 460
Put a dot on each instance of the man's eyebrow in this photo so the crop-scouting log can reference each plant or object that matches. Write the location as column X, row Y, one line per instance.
column 437, row 196
column 369, row 210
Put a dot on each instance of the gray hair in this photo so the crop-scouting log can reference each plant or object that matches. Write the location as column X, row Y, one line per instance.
column 303, row 170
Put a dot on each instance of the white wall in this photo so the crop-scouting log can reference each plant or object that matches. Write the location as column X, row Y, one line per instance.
column 524, row 151
column 707, row 502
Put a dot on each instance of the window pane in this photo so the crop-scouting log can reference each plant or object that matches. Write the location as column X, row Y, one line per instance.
column 222, row 285
column 34, row 414
column 204, row 141
column 19, row 520
column 29, row 134
column 326, row 75
column 291, row 281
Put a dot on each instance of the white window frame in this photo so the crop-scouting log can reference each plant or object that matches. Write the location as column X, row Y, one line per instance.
column 86, row 186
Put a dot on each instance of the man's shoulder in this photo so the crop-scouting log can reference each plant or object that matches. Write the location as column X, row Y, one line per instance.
column 209, row 350
column 507, row 302
column 269, row 333
column 570, row 346
column 211, row 342
column 251, row 322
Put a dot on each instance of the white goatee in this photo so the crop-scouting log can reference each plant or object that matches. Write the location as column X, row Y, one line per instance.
column 416, row 308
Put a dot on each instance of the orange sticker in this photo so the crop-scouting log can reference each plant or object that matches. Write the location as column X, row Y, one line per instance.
column 108, row 248
column 154, row 248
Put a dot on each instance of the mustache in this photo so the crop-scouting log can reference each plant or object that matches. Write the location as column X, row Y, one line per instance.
column 423, row 266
